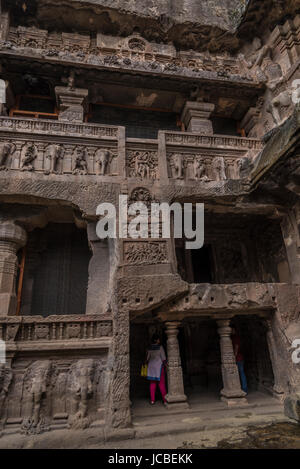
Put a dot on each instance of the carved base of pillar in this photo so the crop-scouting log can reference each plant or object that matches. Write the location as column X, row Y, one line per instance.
column 278, row 393
column 234, row 398
column 177, row 402
column 235, row 401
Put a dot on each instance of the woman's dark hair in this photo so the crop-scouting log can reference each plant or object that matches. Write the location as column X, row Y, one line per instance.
column 154, row 338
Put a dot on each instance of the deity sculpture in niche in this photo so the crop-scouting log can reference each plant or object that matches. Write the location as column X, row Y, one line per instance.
column 28, row 155
column 80, row 163
column 177, row 166
column 200, row 169
column 219, row 169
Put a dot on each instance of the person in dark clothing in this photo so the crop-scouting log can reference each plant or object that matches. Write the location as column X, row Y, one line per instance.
column 236, row 342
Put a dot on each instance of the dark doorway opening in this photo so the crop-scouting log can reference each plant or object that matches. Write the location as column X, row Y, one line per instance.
column 56, row 271
column 202, row 264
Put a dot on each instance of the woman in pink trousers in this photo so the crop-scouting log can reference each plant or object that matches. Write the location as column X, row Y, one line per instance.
column 156, row 359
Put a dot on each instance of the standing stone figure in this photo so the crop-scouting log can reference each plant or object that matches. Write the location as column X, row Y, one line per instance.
column 102, row 161
column 200, row 169
column 80, row 166
column 177, row 166
column 53, row 153
column 6, row 375
column 28, row 155
column 36, row 381
column 6, row 149
column 219, row 169
column 81, row 389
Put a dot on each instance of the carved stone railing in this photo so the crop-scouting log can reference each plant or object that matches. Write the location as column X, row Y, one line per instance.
column 25, row 332
column 213, row 141
column 207, row 157
column 49, row 127
column 59, row 148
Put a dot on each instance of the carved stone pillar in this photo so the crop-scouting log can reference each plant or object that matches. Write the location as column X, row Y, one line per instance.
column 231, row 392
column 12, row 237
column 195, row 116
column 277, row 388
column 175, row 394
column 98, row 284
column 71, row 103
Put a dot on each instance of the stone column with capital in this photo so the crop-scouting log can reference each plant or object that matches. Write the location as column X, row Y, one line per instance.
column 71, row 103
column 12, row 237
column 196, row 117
column 175, row 396
column 278, row 390
column 232, row 392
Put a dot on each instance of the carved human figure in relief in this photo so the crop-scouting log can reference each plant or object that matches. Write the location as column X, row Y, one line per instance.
column 36, row 381
column 102, row 158
column 53, row 154
column 28, row 155
column 278, row 104
column 80, row 163
column 219, row 169
column 200, row 169
column 81, row 389
column 6, row 376
column 177, row 168
column 6, row 149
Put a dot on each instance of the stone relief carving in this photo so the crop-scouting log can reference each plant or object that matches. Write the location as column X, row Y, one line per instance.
column 102, row 160
column 219, row 169
column 56, row 158
column 6, row 149
column 205, row 168
column 36, row 382
column 141, row 194
column 142, row 164
column 6, row 376
column 29, row 154
column 200, row 169
column 80, row 163
column 177, row 166
column 133, row 51
column 53, row 153
column 279, row 106
column 81, row 389
column 145, row 253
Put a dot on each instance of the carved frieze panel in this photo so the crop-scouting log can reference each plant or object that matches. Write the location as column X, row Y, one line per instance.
column 145, row 252
column 142, row 164
column 202, row 167
column 40, row 392
column 131, row 51
column 56, row 158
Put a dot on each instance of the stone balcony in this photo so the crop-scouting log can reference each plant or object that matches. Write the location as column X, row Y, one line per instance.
column 54, row 149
